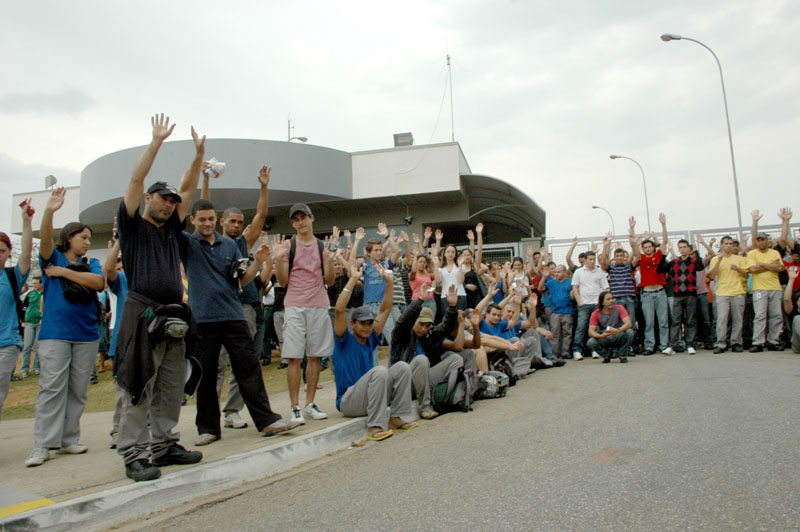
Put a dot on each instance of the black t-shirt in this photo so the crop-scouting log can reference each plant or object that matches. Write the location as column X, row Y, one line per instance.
column 152, row 255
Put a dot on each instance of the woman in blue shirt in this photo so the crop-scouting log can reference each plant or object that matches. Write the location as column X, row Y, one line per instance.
column 68, row 337
column 10, row 340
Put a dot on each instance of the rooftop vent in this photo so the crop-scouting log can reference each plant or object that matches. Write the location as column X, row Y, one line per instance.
column 403, row 139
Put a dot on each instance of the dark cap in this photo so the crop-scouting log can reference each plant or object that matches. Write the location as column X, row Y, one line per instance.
column 362, row 313
column 762, row 235
column 165, row 189
column 425, row 315
column 300, row 207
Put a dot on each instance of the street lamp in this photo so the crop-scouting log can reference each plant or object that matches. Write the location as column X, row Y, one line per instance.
column 289, row 128
column 672, row 37
column 644, row 182
column 613, row 229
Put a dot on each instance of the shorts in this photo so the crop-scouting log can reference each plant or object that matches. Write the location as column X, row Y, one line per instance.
column 306, row 331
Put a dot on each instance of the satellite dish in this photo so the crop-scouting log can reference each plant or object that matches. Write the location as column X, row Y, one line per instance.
column 50, row 181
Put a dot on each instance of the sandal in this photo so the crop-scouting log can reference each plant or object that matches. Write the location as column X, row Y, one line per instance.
column 406, row 426
column 380, row 435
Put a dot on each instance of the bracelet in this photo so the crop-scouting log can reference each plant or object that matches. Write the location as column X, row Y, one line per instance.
column 347, row 290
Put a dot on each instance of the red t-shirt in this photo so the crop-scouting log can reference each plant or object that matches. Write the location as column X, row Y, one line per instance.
column 648, row 267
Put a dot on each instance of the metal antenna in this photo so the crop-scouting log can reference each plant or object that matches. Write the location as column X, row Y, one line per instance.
column 450, row 81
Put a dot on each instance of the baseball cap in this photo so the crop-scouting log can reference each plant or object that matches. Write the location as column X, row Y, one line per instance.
column 362, row 313
column 425, row 315
column 762, row 235
column 300, row 207
column 165, row 189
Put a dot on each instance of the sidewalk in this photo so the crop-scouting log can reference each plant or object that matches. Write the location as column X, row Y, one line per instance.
column 72, row 491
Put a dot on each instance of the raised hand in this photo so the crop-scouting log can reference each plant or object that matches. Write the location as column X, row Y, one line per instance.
column 529, row 251
column 452, row 296
column 346, row 234
column 403, row 237
column 335, row 235
column 392, row 234
column 475, row 319
column 470, row 235
column 711, row 242
column 199, row 143
column 439, row 235
column 662, row 218
column 533, row 300
column 263, row 253
column 785, row 214
column 417, row 241
column 382, row 229
column 427, row 233
column 756, row 216
column 385, row 273
column 161, row 127
column 56, row 199
column 700, row 239
column 356, row 272
column 479, row 228
column 631, row 223
column 792, row 273
column 360, row 233
column 27, row 212
column 280, row 246
column 424, row 289
column 575, row 240
column 263, row 175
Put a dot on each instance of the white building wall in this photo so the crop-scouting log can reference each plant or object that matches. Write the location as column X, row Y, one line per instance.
column 67, row 213
column 412, row 170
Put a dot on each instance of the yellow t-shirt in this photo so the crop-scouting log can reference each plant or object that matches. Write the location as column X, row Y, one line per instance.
column 764, row 280
column 729, row 282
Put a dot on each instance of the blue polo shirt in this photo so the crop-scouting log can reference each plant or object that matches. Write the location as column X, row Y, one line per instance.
column 351, row 361
column 9, row 330
column 374, row 285
column 62, row 319
column 501, row 329
column 213, row 296
column 119, row 287
column 249, row 293
column 561, row 302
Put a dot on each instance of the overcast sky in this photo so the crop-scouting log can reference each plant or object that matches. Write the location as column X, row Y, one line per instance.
column 543, row 92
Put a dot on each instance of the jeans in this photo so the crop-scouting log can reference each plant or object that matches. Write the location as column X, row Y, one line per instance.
column 705, row 322
column 584, row 313
column 619, row 345
column 654, row 306
column 683, row 308
column 31, row 344
column 629, row 302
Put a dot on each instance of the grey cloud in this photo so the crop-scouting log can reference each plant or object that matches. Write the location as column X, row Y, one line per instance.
column 69, row 101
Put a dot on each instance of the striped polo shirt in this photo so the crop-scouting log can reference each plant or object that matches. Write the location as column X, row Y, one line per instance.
column 620, row 279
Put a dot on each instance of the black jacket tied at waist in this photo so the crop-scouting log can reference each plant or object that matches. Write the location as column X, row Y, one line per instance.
column 134, row 365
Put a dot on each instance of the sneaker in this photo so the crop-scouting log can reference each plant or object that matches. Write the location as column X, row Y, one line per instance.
column 206, row 439
column 595, row 354
column 691, row 351
column 577, row 355
column 73, row 448
column 774, row 347
column 315, row 413
column 177, row 455
column 606, row 360
column 234, row 421
column 297, row 416
column 24, row 375
column 648, row 352
column 719, row 350
column 757, row 349
column 668, row 351
column 736, row 349
column 623, row 360
column 142, row 469
column 114, row 439
column 93, row 379
column 279, row 426
column 36, row 372
column 283, row 365
column 37, row 457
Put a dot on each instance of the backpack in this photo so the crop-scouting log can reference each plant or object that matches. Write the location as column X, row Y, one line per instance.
column 499, row 361
column 492, row 384
column 293, row 250
column 12, row 280
column 455, row 394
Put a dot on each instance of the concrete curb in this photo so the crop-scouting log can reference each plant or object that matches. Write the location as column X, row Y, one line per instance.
column 100, row 510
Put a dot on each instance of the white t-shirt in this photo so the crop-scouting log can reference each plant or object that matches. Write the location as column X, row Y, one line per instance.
column 590, row 284
column 451, row 278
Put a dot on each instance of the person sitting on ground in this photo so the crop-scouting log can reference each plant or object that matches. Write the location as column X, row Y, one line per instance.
column 362, row 387
column 610, row 329
column 791, row 304
column 415, row 341
column 457, row 343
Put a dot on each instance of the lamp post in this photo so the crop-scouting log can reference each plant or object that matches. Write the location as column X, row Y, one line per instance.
column 644, row 182
column 613, row 229
column 666, row 37
column 289, row 128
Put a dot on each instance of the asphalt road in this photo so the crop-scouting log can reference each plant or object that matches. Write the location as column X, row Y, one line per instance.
column 706, row 442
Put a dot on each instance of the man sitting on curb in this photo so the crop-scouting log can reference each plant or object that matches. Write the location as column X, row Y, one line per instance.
column 415, row 341
column 610, row 329
column 363, row 388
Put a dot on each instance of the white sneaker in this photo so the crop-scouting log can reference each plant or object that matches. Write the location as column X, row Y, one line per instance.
column 37, row 457
column 595, row 355
column 206, row 439
column 234, row 421
column 315, row 413
column 668, row 351
column 297, row 416
column 73, row 448
column 278, row 427
column 691, row 351
column 577, row 355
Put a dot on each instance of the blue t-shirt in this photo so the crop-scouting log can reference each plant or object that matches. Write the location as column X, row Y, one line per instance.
column 119, row 287
column 213, row 295
column 501, row 329
column 561, row 302
column 498, row 297
column 62, row 319
column 374, row 285
column 9, row 322
column 249, row 293
column 351, row 361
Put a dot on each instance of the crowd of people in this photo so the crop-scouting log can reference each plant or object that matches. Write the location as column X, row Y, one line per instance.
column 228, row 293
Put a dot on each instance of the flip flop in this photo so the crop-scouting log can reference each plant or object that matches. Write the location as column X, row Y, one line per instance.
column 406, row 426
column 380, row 435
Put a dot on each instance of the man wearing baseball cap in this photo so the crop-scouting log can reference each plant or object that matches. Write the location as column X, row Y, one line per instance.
column 415, row 341
column 362, row 387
